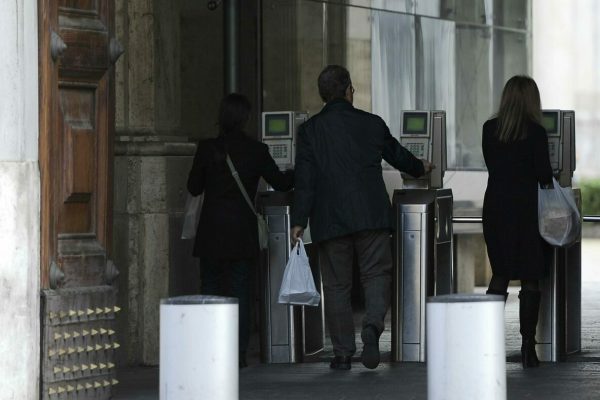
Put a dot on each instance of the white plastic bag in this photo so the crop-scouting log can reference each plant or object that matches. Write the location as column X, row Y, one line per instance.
column 193, row 207
column 298, row 285
column 558, row 217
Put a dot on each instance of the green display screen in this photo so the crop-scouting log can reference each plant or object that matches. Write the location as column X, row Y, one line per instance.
column 277, row 125
column 415, row 123
column 550, row 122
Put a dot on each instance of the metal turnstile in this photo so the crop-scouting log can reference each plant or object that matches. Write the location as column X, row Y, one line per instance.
column 423, row 264
column 289, row 334
column 559, row 324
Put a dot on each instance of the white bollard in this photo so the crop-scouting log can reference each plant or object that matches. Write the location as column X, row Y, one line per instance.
column 199, row 348
column 466, row 356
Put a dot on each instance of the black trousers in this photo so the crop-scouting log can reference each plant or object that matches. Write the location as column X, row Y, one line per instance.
column 373, row 252
column 231, row 278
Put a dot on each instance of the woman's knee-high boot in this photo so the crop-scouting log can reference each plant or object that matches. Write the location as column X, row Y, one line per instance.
column 529, row 308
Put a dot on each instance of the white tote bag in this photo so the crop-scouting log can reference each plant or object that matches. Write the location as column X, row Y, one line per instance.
column 193, row 208
column 558, row 217
column 298, row 285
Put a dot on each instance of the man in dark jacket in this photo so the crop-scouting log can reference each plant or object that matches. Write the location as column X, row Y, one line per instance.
column 339, row 186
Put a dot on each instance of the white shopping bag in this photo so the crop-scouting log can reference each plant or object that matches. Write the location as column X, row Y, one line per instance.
column 193, row 207
column 558, row 217
column 298, row 285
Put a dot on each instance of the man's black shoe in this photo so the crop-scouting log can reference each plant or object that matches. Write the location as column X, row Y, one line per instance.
column 370, row 353
column 341, row 362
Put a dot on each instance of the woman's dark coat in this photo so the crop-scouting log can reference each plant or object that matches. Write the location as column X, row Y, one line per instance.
column 510, row 216
column 339, row 182
column 228, row 229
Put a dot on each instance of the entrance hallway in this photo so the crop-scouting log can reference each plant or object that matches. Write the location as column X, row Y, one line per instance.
column 578, row 378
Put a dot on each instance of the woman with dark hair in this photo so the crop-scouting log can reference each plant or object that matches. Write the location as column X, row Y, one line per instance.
column 515, row 149
column 227, row 237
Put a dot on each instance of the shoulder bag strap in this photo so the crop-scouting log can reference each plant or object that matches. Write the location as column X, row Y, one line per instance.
column 236, row 176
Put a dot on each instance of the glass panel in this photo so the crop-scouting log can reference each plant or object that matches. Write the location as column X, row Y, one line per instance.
column 358, row 54
column 476, row 11
column 312, row 56
column 511, row 13
column 510, row 58
column 393, row 63
column 437, row 72
column 279, row 55
column 397, row 61
column 405, row 6
column 473, row 93
column 566, row 65
column 292, row 55
column 430, row 8
column 336, row 32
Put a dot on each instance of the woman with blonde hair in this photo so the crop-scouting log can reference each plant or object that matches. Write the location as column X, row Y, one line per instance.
column 515, row 149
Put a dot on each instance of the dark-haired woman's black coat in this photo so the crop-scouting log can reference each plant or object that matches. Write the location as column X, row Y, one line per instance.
column 228, row 229
column 510, row 220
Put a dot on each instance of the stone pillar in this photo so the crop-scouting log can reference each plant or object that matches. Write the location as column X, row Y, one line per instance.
column 148, row 74
column 169, row 83
column 19, row 201
column 149, row 190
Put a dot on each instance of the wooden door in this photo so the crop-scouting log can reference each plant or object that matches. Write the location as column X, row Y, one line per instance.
column 77, row 52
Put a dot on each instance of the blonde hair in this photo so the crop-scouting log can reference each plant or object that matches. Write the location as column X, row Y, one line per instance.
column 520, row 104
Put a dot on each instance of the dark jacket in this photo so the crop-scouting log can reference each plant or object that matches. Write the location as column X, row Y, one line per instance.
column 228, row 229
column 510, row 216
column 339, row 182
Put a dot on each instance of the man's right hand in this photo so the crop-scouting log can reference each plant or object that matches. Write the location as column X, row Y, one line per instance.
column 296, row 234
column 427, row 166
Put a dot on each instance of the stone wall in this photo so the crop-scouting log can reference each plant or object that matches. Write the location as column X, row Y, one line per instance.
column 19, row 201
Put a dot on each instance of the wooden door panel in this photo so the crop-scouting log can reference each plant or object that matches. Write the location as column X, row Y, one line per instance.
column 79, row 144
column 75, row 219
column 86, row 51
column 76, row 130
column 84, row 80
column 86, row 14
column 79, row 5
column 79, row 164
column 77, row 119
column 79, row 157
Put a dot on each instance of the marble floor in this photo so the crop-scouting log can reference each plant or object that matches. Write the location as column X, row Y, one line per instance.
column 577, row 378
